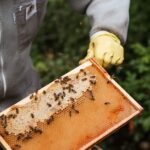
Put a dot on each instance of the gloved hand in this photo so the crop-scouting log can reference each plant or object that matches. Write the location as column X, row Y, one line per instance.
column 106, row 48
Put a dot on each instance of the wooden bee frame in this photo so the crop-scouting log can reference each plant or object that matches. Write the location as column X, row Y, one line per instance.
column 101, row 111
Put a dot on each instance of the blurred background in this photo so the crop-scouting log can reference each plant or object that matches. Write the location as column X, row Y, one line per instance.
column 63, row 40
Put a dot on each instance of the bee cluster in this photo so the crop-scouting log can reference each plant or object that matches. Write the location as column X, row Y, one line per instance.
column 3, row 121
column 26, row 136
column 5, row 118
column 70, row 91
column 68, row 87
column 34, row 96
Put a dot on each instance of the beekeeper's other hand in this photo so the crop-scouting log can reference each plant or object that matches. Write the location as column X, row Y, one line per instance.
column 106, row 48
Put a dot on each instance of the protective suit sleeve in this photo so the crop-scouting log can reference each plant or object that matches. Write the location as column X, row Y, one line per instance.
column 107, row 15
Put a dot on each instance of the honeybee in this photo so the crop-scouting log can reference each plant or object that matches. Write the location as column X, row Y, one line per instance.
column 107, row 103
column 32, row 115
column 17, row 111
column 49, row 105
column 44, row 92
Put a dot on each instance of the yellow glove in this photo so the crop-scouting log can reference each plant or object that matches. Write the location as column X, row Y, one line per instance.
column 106, row 48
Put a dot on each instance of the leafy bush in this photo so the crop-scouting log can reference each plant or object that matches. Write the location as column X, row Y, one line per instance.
column 135, row 78
column 63, row 41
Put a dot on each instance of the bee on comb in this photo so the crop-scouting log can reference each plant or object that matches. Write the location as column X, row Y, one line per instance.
column 57, row 81
column 108, row 81
column 50, row 120
column 83, row 71
column 72, row 99
column 91, row 95
column 44, row 92
column 84, row 79
column 74, row 109
column 93, row 82
column 77, row 76
column 27, row 137
column 32, row 115
column 107, row 103
column 73, row 91
column 59, row 103
column 20, row 136
column 31, row 96
column 49, row 105
column 36, row 98
column 18, row 146
column 17, row 110
column 56, row 97
column 92, row 77
column 6, row 132
column 38, row 130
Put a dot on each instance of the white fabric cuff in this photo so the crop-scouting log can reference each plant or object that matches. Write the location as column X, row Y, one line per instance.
column 99, row 33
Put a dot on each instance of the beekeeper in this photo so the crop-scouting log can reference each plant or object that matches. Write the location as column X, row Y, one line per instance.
column 19, row 23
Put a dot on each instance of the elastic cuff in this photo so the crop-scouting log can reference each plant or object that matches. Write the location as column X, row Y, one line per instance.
column 101, row 33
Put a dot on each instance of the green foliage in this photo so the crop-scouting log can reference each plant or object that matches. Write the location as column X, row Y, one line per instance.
column 135, row 78
column 63, row 41
column 139, row 22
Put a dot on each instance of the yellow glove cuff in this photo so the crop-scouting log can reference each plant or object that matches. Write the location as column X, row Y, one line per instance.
column 105, row 33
